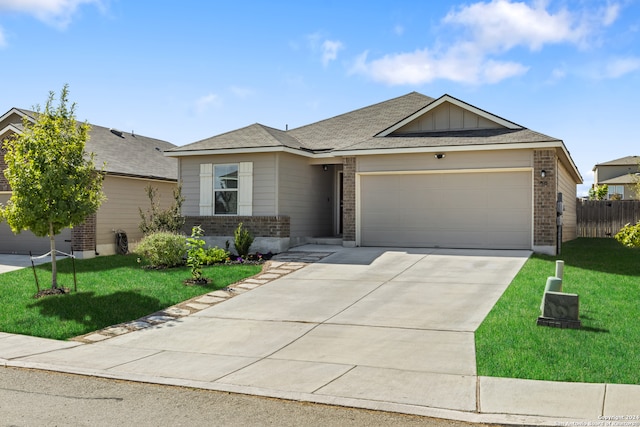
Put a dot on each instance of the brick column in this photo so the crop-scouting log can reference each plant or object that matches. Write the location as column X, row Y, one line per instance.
column 544, row 207
column 349, row 201
column 83, row 238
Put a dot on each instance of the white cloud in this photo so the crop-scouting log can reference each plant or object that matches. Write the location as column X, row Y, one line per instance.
column 330, row 50
column 611, row 13
column 489, row 31
column 501, row 25
column 3, row 41
column 54, row 12
column 621, row 66
column 459, row 64
column 203, row 103
column 241, row 92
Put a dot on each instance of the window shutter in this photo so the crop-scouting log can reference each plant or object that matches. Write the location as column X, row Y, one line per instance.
column 245, row 188
column 206, row 189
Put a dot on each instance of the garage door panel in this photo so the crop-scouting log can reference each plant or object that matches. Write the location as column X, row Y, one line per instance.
column 466, row 210
column 509, row 220
column 26, row 241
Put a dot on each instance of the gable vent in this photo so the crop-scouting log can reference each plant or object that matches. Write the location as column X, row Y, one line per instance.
column 117, row 132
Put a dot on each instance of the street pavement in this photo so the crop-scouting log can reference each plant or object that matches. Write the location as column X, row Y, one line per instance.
column 375, row 328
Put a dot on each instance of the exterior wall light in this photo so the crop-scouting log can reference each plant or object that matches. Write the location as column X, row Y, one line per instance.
column 543, row 173
column 325, row 167
column 439, row 156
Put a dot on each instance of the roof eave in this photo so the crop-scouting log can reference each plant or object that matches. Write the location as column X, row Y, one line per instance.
column 221, row 151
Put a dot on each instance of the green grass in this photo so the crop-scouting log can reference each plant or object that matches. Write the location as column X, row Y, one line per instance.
column 111, row 290
column 606, row 276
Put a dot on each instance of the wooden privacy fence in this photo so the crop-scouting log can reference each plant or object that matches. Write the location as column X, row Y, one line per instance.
column 604, row 218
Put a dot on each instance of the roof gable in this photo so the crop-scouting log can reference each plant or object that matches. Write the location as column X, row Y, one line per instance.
column 448, row 114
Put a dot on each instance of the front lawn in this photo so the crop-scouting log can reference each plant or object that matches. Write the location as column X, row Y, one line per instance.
column 111, row 290
column 606, row 276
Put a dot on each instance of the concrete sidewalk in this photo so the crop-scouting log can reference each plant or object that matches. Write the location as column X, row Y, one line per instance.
column 386, row 329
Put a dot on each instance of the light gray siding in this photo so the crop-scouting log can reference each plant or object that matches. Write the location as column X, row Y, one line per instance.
column 306, row 195
column 264, row 180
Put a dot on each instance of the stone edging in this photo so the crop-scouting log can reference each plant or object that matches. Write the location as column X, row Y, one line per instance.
column 279, row 266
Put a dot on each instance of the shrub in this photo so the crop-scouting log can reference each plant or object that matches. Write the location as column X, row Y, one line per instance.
column 157, row 219
column 243, row 240
column 195, row 252
column 629, row 235
column 215, row 255
column 162, row 249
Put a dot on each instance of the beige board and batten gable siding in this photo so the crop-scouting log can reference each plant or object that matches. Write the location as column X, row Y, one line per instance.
column 447, row 116
column 465, row 200
column 567, row 187
column 120, row 210
column 306, row 195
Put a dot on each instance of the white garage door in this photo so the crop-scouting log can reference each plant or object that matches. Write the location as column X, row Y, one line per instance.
column 26, row 241
column 449, row 210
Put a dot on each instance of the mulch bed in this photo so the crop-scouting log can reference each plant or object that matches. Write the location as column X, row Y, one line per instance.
column 51, row 291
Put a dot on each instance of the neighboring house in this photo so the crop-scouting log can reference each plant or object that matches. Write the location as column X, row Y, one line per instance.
column 412, row 171
column 620, row 175
column 131, row 162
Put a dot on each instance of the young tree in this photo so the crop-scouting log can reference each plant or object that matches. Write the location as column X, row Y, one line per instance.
column 53, row 184
column 636, row 183
column 598, row 192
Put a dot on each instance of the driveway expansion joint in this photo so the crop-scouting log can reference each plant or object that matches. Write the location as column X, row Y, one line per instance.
column 279, row 266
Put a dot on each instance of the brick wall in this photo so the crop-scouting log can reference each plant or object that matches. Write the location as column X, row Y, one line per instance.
column 259, row 226
column 83, row 236
column 545, row 194
column 349, row 199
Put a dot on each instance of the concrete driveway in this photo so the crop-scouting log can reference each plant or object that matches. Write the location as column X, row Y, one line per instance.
column 10, row 262
column 368, row 327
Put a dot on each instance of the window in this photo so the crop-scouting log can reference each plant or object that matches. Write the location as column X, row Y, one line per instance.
column 616, row 192
column 226, row 189
column 225, row 185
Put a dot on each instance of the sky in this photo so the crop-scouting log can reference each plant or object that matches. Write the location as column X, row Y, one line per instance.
column 186, row 70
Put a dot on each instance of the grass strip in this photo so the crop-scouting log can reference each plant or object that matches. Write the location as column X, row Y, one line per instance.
column 606, row 276
column 111, row 290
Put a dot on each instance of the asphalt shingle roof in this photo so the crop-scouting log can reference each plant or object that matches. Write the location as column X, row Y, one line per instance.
column 620, row 180
column 359, row 125
column 623, row 161
column 253, row 136
column 127, row 154
column 357, row 130
column 473, row 137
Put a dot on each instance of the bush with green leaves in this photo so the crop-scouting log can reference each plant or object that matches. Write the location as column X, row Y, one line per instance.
column 242, row 240
column 195, row 252
column 215, row 255
column 162, row 249
column 629, row 235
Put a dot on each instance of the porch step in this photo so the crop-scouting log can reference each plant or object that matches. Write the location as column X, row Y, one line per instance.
column 325, row 241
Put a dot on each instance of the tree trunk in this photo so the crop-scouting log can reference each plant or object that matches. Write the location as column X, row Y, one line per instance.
column 54, row 269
